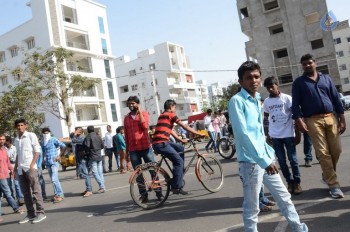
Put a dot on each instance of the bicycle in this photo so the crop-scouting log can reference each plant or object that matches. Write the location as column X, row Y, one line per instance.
column 153, row 180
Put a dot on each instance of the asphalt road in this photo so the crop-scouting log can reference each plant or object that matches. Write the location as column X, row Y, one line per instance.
column 198, row 211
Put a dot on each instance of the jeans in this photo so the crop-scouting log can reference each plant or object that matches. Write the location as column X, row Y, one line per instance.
column 97, row 172
column 262, row 199
column 136, row 159
column 171, row 151
column 253, row 176
column 117, row 159
column 109, row 154
column 5, row 189
column 84, row 171
column 53, row 173
column 288, row 143
column 41, row 182
column 212, row 140
column 307, row 147
column 14, row 187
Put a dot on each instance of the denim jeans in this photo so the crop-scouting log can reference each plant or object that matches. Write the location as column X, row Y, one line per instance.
column 41, row 182
column 84, row 172
column 212, row 140
column 307, row 147
column 288, row 143
column 253, row 176
column 171, row 151
column 117, row 159
column 53, row 173
column 262, row 199
column 97, row 172
column 5, row 189
column 136, row 159
column 15, row 188
column 109, row 154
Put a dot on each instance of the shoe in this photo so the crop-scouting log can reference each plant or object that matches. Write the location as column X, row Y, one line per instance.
column 19, row 211
column 160, row 197
column 143, row 199
column 123, row 172
column 207, row 149
column 58, row 199
column 87, row 194
column 266, row 208
column 297, row 189
column 105, row 171
column 39, row 218
column 26, row 219
column 308, row 163
column 270, row 203
column 179, row 191
column 101, row 190
column 290, row 187
column 20, row 201
column 336, row 193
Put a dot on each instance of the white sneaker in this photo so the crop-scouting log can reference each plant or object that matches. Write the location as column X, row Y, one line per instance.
column 39, row 218
column 336, row 193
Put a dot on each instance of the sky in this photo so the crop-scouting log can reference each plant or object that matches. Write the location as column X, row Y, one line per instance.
column 209, row 30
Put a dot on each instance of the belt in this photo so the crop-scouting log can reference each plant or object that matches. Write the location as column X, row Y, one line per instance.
column 321, row 115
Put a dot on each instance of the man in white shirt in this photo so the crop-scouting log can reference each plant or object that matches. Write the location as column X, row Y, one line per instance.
column 28, row 151
column 211, row 131
column 108, row 144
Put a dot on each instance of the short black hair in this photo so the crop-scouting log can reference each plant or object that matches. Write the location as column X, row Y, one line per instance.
column 120, row 128
column 90, row 129
column 168, row 104
column 247, row 66
column 133, row 99
column 8, row 139
column 209, row 111
column 270, row 81
column 20, row 120
column 307, row 57
column 45, row 129
column 78, row 128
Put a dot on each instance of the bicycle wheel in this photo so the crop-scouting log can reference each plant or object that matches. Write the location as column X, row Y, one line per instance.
column 149, row 188
column 209, row 173
column 226, row 149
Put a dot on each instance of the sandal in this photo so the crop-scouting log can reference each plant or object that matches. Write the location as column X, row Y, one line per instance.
column 58, row 199
column 266, row 208
column 87, row 194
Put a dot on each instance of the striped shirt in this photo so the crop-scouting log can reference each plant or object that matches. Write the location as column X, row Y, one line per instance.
column 136, row 133
column 164, row 126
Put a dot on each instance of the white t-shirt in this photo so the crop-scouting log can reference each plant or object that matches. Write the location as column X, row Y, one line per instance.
column 280, row 116
column 207, row 123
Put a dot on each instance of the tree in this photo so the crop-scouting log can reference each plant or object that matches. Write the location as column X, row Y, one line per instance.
column 44, row 76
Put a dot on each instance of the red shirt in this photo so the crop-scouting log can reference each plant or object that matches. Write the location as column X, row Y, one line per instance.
column 5, row 164
column 136, row 132
column 164, row 126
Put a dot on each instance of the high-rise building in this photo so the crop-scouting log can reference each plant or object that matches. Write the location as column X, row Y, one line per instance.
column 81, row 27
column 281, row 31
column 203, row 94
column 341, row 36
column 155, row 76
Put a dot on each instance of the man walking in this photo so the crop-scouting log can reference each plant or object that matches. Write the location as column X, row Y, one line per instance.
column 52, row 159
column 93, row 146
column 28, row 151
column 318, row 110
column 108, row 143
column 211, row 131
column 255, row 156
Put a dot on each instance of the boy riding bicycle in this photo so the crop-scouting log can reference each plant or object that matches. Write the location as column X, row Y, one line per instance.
column 162, row 145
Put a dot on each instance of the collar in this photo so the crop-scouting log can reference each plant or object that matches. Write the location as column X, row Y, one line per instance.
column 279, row 94
column 246, row 95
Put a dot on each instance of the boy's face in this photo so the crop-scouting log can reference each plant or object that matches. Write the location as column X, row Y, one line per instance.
column 173, row 108
column 251, row 81
column 273, row 90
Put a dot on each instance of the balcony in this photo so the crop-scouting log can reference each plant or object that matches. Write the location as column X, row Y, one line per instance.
column 80, row 64
column 246, row 27
column 77, row 40
column 87, row 112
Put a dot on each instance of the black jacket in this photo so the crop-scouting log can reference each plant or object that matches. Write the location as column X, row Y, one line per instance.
column 93, row 146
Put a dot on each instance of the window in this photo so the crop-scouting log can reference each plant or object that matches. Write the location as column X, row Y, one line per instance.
column 280, row 53
column 323, row 69
column 318, row 43
column 104, row 46
column 30, row 43
column 337, row 41
column 101, row 25
column 312, row 18
column 244, row 12
column 271, row 5
column 345, row 80
column 276, row 29
column 152, row 66
column 124, row 89
column 134, row 87
column 107, row 69
column 340, row 54
column 69, row 14
column 342, row 67
column 114, row 112
column 3, row 80
column 14, row 51
column 132, row 72
column 110, row 90
column 2, row 57
column 286, row 78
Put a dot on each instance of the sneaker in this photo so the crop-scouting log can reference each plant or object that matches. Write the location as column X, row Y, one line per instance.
column 336, row 193
column 297, row 189
column 270, row 203
column 308, row 163
column 101, row 190
column 39, row 218
column 179, row 191
column 26, row 219
column 290, row 187
column 19, row 211
column 266, row 208
column 20, row 201
column 143, row 199
column 87, row 194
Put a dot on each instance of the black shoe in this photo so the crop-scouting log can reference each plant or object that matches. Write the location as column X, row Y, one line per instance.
column 307, row 163
column 143, row 199
column 160, row 197
column 105, row 171
column 179, row 191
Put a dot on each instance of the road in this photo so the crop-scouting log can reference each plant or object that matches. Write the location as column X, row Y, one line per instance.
column 198, row 211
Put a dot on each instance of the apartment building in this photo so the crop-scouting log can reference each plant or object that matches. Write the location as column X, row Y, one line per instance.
column 280, row 32
column 341, row 38
column 203, row 94
column 155, row 76
column 80, row 26
column 216, row 92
